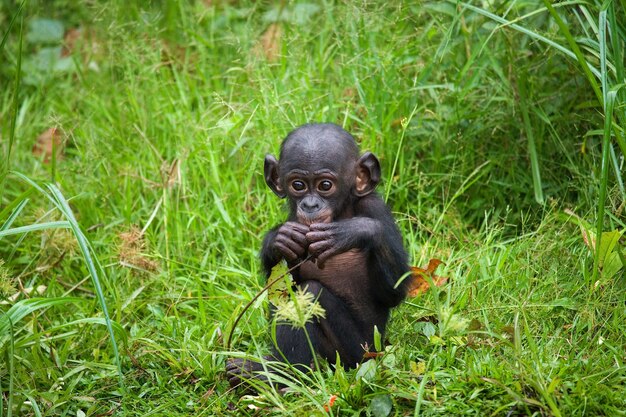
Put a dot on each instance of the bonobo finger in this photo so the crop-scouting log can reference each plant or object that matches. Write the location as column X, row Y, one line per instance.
column 298, row 237
column 296, row 247
column 297, row 227
column 321, row 226
column 319, row 247
column 318, row 236
column 324, row 256
column 286, row 252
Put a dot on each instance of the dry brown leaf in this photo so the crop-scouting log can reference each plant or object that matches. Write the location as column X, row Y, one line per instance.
column 418, row 284
column 270, row 42
column 373, row 355
column 72, row 36
column 50, row 143
column 83, row 41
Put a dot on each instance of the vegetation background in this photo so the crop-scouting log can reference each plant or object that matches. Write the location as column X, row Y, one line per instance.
column 132, row 203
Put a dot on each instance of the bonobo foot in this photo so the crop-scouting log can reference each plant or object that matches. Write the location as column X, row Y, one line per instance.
column 238, row 371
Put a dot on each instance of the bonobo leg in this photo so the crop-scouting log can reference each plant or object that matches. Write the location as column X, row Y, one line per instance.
column 238, row 370
column 337, row 332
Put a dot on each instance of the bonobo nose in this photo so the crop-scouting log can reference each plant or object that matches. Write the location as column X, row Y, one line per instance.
column 310, row 204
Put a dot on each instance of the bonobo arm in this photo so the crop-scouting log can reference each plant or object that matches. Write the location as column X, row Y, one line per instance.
column 329, row 239
column 286, row 241
column 373, row 230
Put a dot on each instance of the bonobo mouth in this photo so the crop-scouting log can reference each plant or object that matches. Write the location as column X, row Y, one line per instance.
column 322, row 216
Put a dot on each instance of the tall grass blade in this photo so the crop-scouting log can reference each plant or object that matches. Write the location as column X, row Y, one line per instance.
column 62, row 224
column 11, row 370
column 11, row 23
column 608, row 98
column 4, row 168
column 56, row 197
column 13, row 215
column 532, row 149
column 34, row 405
column 604, row 175
column 16, row 202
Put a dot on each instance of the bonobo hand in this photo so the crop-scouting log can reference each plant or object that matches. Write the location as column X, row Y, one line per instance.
column 290, row 241
column 329, row 239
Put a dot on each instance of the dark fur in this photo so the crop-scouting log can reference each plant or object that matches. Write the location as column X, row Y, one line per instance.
column 358, row 249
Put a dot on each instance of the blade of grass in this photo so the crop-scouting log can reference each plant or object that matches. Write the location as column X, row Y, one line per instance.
column 16, row 202
column 16, row 88
column 119, row 329
column 62, row 224
column 34, row 405
column 618, row 176
column 13, row 215
column 405, row 125
column 11, row 23
column 608, row 100
column 532, row 150
column 606, row 143
column 11, row 370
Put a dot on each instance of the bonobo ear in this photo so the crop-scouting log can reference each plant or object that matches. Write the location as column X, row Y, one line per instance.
column 270, row 169
column 367, row 174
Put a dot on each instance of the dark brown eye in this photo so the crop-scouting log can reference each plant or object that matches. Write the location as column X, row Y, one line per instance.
column 298, row 185
column 325, row 185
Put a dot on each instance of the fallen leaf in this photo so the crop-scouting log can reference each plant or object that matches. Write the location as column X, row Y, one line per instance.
column 373, row 355
column 418, row 284
column 70, row 40
column 270, row 42
column 50, row 143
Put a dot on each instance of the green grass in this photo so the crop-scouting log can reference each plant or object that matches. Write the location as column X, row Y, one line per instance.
column 500, row 129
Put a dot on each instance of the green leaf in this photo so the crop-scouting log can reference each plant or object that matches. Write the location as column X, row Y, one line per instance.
column 279, row 289
column 607, row 246
column 381, row 406
column 34, row 227
column 429, row 330
column 302, row 12
column 299, row 14
column 378, row 343
column 367, row 371
column 45, row 31
column 612, row 265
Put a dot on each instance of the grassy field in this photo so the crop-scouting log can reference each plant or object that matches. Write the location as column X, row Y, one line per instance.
column 132, row 201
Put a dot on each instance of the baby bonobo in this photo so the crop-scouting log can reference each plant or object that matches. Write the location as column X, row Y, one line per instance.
column 357, row 256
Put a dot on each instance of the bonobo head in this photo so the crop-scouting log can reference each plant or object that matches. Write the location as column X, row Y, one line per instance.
column 321, row 173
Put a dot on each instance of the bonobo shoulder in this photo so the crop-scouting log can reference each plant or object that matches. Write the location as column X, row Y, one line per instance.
column 372, row 205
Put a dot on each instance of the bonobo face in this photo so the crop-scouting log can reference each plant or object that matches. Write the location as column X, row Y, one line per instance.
column 314, row 194
column 320, row 172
